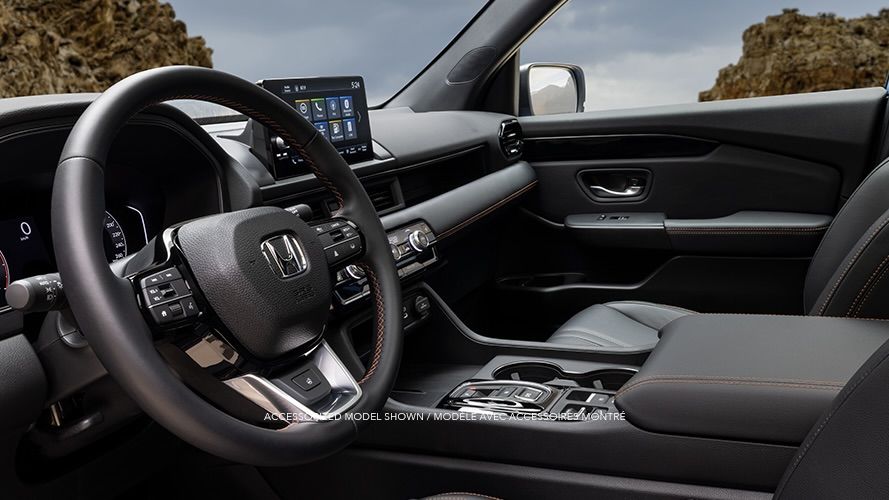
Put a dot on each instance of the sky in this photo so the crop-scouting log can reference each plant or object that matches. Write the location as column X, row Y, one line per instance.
column 633, row 52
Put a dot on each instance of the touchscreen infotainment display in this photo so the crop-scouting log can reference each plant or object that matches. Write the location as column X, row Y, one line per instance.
column 336, row 106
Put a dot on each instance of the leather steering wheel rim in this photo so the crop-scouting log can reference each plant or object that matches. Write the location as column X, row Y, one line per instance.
column 105, row 305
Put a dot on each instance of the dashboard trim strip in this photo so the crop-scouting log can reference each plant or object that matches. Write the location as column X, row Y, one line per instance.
column 488, row 210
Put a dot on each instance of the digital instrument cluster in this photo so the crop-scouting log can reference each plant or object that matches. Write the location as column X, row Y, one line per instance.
column 25, row 250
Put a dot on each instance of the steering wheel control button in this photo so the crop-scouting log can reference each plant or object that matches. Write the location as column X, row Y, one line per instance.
column 162, row 314
column 308, row 385
column 165, row 292
column 189, row 307
column 164, row 276
column 308, row 380
column 339, row 252
column 168, row 297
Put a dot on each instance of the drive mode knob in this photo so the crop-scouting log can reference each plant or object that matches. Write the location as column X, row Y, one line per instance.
column 418, row 241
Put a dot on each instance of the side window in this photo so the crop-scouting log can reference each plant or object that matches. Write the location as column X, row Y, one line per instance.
column 636, row 53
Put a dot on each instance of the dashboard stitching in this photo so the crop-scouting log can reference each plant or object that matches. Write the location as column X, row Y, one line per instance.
column 487, row 211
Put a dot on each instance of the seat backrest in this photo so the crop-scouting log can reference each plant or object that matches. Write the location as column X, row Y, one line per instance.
column 846, row 454
column 847, row 276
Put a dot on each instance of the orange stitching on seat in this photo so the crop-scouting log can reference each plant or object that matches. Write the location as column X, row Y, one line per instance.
column 872, row 288
column 852, row 262
column 866, row 284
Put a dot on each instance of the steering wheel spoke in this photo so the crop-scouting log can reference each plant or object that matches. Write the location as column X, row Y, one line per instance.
column 314, row 387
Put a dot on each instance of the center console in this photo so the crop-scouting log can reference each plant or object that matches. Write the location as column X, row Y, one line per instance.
column 550, row 389
column 747, row 377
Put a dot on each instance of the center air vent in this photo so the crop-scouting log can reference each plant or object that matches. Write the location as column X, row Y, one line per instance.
column 383, row 196
column 511, row 139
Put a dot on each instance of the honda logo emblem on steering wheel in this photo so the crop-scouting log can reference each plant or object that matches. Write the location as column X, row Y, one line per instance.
column 285, row 255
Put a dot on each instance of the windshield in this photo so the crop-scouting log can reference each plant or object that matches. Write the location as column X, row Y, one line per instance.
column 73, row 46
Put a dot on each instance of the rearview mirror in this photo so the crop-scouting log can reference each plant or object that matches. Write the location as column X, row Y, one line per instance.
column 551, row 88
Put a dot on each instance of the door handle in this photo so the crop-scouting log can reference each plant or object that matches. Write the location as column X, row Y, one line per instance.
column 610, row 193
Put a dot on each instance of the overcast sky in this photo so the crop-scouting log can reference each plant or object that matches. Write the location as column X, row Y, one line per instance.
column 634, row 52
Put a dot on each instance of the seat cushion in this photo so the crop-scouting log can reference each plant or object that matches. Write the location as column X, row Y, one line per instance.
column 617, row 324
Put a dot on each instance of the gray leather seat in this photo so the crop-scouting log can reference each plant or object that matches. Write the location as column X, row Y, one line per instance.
column 617, row 324
column 847, row 277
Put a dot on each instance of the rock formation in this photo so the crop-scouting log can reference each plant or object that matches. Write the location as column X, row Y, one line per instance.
column 792, row 53
column 55, row 46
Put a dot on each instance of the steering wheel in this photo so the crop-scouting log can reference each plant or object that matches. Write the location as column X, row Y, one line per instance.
column 258, row 280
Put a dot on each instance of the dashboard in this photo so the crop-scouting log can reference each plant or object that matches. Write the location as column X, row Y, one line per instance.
column 164, row 168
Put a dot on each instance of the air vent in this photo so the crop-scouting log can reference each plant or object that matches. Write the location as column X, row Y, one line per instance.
column 511, row 139
column 382, row 197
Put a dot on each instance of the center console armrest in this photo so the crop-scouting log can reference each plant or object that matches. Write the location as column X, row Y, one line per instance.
column 747, row 377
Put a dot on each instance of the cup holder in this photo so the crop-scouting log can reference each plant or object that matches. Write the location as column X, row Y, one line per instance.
column 609, row 379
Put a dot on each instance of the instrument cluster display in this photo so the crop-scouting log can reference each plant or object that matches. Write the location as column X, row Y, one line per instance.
column 22, row 251
column 25, row 252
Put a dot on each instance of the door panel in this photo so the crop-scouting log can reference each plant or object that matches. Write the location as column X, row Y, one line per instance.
column 727, row 180
column 782, row 164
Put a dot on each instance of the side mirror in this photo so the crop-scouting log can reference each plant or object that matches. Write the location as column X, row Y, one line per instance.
column 551, row 88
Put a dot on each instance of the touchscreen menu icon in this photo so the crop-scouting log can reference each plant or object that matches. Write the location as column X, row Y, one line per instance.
column 346, row 108
column 350, row 129
column 302, row 107
column 319, row 109
column 333, row 107
column 336, row 131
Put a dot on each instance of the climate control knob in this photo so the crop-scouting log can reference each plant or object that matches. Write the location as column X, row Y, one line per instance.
column 355, row 272
column 418, row 240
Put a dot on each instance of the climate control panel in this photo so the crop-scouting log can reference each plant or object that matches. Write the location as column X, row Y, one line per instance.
column 412, row 248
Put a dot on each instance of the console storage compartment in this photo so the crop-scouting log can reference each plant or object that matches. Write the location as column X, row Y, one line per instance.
column 745, row 377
